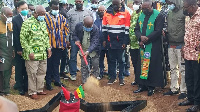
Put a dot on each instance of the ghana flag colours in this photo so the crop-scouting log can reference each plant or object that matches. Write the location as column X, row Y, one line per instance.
column 145, row 53
column 66, row 93
column 79, row 93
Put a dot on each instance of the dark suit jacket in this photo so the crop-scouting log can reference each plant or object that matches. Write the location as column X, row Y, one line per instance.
column 98, row 23
column 94, row 37
column 17, row 24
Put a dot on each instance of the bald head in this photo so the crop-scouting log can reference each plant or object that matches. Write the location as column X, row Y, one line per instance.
column 101, row 8
column 6, row 12
column 88, row 21
column 116, row 5
column 39, row 11
column 147, row 7
column 147, row 4
column 101, row 11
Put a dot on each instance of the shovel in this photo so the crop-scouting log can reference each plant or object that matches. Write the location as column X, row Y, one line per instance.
column 86, row 62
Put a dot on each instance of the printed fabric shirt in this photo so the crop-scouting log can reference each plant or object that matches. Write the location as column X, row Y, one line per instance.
column 133, row 39
column 192, row 37
column 34, row 39
column 58, row 30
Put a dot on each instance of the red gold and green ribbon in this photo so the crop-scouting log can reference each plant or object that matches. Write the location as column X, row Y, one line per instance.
column 79, row 93
column 146, row 52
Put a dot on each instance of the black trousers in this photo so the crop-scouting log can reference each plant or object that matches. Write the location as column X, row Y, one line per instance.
column 115, row 55
column 134, row 53
column 53, row 64
column 64, row 60
column 1, row 81
column 192, row 79
column 21, row 77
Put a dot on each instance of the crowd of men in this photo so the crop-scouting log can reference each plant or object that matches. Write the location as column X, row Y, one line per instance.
column 154, row 39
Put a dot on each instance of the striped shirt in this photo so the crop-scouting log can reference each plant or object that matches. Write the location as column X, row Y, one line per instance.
column 58, row 30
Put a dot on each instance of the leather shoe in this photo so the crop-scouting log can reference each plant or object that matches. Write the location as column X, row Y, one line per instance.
column 185, row 103
column 194, row 108
column 139, row 90
column 150, row 92
column 105, row 73
column 134, row 83
column 22, row 92
column 49, row 87
column 59, row 84
column 34, row 96
column 1, row 93
column 42, row 93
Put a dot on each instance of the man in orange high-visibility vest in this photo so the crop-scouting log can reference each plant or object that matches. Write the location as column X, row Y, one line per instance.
column 116, row 23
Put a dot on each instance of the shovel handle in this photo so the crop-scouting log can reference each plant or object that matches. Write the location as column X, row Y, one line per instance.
column 80, row 47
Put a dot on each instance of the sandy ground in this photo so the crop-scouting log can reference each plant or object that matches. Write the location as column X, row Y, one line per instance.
column 101, row 92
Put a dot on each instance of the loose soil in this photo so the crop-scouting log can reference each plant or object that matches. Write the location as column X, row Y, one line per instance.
column 99, row 91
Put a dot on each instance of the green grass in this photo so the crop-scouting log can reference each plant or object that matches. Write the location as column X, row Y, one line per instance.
column 14, row 92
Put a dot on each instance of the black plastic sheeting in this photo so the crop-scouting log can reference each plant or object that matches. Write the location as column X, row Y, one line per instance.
column 50, row 106
column 123, row 106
